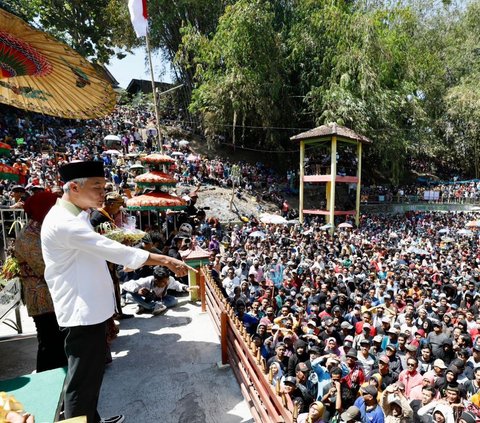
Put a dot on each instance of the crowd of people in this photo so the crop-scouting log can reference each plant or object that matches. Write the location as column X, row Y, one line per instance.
column 379, row 322
column 373, row 324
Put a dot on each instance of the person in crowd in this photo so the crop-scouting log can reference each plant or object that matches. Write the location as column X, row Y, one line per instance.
column 368, row 405
column 395, row 406
column 84, row 301
column 35, row 293
column 150, row 293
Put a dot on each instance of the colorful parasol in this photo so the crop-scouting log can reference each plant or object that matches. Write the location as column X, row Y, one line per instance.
column 5, row 149
column 155, row 178
column 40, row 74
column 8, row 172
column 156, row 200
column 156, row 159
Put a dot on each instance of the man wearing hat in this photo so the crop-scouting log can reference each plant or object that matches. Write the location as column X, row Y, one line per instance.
column 395, row 362
column 351, row 415
column 396, row 409
column 437, row 339
column 356, row 375
column 368, row 405
column 80, row 284
column 383, row 369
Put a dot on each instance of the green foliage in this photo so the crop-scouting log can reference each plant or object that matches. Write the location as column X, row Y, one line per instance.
column 238, row 70
column 403, row 72
column 94, row 28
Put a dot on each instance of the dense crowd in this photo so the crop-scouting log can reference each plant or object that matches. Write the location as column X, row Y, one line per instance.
column 384, row 319
column 373, row 324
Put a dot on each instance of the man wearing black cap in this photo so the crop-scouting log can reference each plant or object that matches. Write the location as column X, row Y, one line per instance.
column 80, row 284
column 368, row 405
column 437, row 339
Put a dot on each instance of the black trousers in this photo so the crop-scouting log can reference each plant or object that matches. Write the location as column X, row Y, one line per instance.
column 51, row 343
column 85, row 347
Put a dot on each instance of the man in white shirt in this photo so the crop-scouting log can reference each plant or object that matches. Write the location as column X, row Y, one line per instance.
column 80, row 284
column 230, row 282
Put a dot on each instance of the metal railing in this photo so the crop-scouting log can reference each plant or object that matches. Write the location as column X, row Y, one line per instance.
column 268, row 404
column 11, row 223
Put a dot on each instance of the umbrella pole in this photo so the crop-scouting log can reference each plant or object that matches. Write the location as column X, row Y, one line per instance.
column 157, row 116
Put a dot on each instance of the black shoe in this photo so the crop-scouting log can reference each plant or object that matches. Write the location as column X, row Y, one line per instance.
column 114, row 419
column 124, row 316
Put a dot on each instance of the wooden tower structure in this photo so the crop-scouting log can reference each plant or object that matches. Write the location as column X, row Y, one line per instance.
column 330, row 136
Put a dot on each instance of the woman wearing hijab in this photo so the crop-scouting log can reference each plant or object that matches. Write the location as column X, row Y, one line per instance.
column 314, row 415
column 35, row 293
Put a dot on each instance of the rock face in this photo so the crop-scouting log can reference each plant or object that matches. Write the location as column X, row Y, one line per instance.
column 217, row 199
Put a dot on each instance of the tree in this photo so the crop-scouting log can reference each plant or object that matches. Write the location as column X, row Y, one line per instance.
column 238, row 71
column 94, row 28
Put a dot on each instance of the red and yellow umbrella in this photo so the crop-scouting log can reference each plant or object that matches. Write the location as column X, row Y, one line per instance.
column 40, row 74
column 155, row 178
column 156, row 200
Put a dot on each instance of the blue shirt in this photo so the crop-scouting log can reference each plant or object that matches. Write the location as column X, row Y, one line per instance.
column 374, row 415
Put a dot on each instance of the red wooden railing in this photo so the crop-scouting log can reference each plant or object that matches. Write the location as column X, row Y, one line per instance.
column 267, row 403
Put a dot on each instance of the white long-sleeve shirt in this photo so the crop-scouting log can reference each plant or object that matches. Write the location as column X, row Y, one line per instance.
column 75, row 266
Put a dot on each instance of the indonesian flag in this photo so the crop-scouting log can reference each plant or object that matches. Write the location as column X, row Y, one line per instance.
column 139, row 16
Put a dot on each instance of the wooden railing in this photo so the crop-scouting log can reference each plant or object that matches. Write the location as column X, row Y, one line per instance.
column 268, row 404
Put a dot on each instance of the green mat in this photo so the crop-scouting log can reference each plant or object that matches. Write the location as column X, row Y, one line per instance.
column 39, row 393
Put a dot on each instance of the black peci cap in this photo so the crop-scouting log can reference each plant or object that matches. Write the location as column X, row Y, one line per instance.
column 79, row 169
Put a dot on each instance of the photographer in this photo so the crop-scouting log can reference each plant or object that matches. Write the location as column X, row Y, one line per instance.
column 395, row 405
column 150, row 293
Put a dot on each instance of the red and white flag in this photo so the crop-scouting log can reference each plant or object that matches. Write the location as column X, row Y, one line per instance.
column 139, row 16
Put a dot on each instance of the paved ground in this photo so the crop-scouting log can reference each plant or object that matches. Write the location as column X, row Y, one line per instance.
column 164, row 369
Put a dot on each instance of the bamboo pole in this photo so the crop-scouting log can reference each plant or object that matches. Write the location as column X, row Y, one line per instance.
column 154, row 91
column 359, row 183
column 302, row 174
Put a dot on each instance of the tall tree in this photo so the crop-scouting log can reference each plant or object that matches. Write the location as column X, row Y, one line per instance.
column 239, row 70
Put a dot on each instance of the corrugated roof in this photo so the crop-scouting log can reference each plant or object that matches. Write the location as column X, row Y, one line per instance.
column 329, row 130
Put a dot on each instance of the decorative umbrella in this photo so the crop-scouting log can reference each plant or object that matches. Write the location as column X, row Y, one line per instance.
column 8, row 172
column 326, row 227
column 465, row 232
column 156, row 200
column 183, row 143
column 345, row 225
column 40, row 74
column 155, row 178
column 156, row 159
column 177, row 154
column 443, row 231
column 447, row 239
column 5, row 149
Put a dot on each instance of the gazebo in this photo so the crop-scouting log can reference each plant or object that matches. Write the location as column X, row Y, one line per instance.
column 330, row 136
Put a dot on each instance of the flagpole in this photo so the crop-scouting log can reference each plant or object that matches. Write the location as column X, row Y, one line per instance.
column 157, row 116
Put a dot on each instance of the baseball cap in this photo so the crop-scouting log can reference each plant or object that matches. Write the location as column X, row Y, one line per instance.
column 352, row 354
column 378, row 338
column 302, row 367
column 384, row 359
column 351, row 413
column 369, row 389
column 391, row 347
column 346, row 325
column 439, row 363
